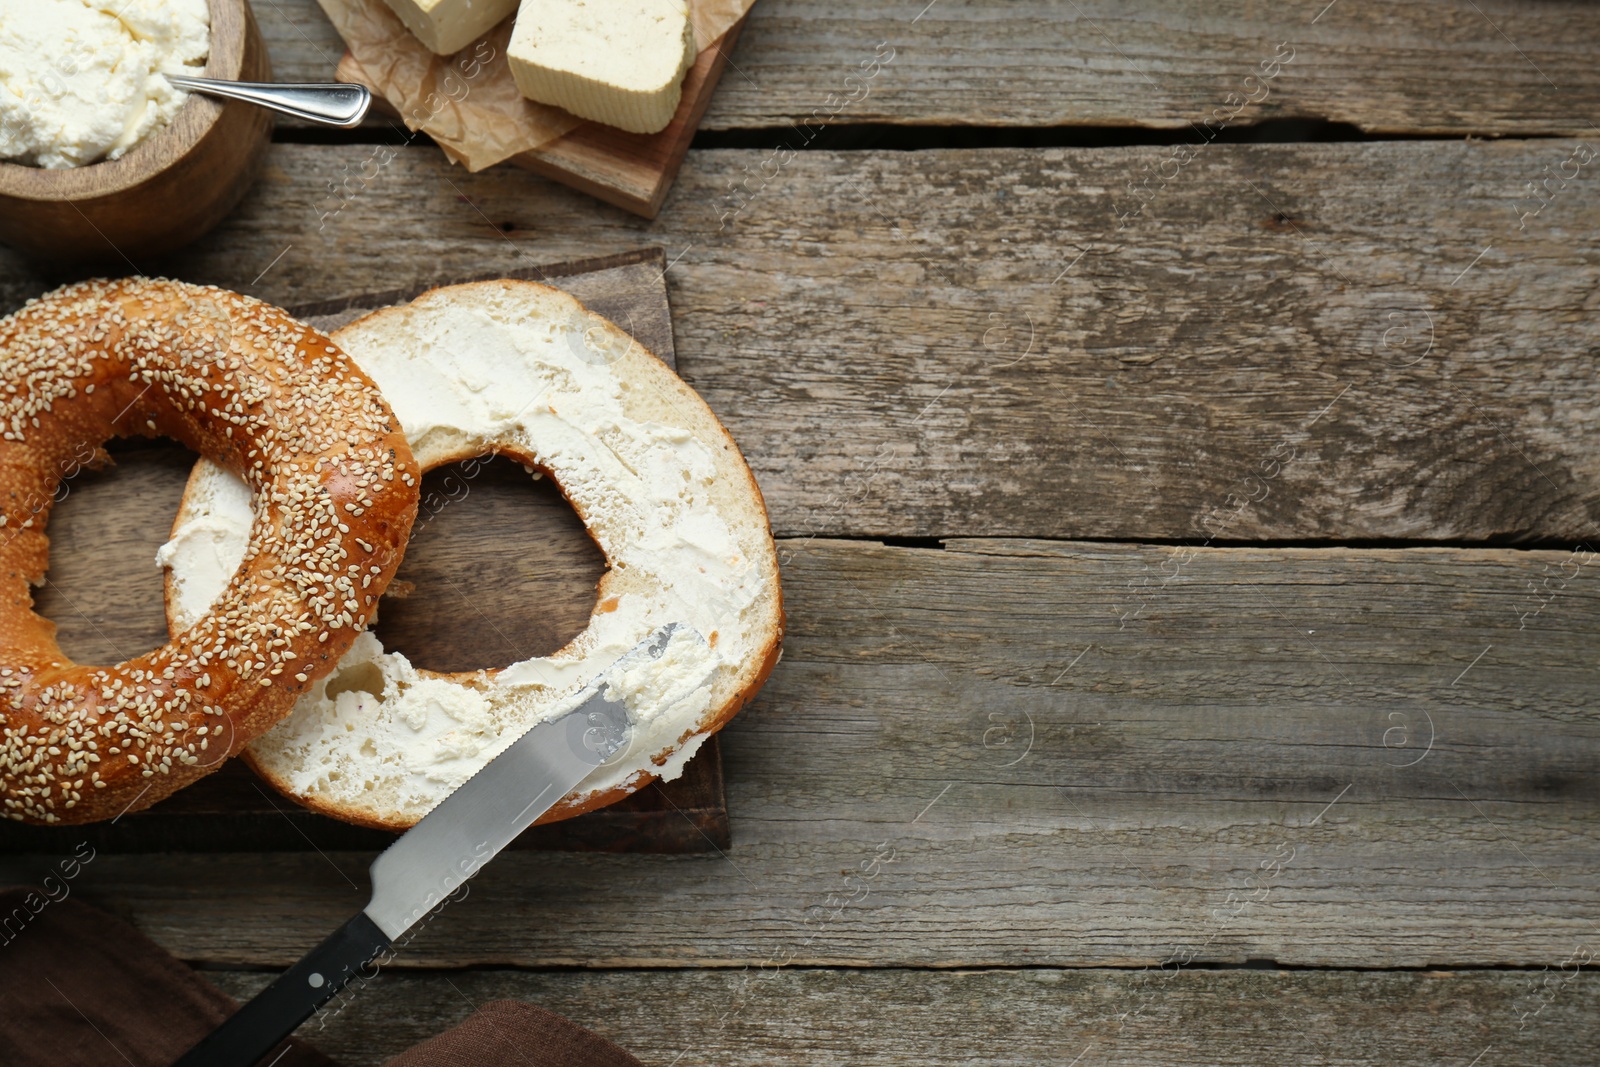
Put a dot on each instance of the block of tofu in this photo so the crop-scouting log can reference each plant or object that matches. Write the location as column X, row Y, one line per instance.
column 620, row 62
column 447, row 26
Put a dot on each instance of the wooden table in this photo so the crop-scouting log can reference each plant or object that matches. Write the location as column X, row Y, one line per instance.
column 1186, row 536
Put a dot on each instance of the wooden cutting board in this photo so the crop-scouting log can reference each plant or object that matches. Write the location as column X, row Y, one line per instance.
column 504, row 571
column 634, row 171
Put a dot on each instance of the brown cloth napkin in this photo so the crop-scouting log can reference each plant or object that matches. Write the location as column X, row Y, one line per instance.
column 80, row 988
column 512, row 1033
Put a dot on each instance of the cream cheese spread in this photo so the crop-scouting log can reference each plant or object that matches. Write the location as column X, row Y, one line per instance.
column 380, row 735
column 82, row 80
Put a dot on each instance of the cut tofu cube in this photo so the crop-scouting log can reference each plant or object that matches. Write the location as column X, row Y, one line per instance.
column 620, row 62
column 447, row 26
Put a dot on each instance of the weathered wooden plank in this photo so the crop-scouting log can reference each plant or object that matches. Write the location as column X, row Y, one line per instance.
column 1288, row 342
column 1447, row 66
column 1035, row 753
column 1174, row 1018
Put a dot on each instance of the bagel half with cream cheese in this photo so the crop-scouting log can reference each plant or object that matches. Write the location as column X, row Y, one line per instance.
column 524, row 370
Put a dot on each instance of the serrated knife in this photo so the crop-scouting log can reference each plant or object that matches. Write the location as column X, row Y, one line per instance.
column 432, row 860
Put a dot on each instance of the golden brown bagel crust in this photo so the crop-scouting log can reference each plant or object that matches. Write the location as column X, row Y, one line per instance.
column 335, row 495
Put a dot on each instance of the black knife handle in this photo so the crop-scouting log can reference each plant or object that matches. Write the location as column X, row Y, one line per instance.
column 274, row 1013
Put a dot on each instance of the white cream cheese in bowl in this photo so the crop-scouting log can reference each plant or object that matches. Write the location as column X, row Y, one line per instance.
column 82, row 80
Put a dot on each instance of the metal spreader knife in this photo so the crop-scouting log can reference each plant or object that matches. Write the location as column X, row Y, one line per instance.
column 432, row 860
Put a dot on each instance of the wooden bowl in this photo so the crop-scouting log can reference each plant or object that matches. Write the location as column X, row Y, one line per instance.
column 167, row 190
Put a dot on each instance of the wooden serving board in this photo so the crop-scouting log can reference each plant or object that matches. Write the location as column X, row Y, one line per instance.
column 503, row 572
column 634, row 171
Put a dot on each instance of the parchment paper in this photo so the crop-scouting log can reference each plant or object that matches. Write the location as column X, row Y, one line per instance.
column 468, row 102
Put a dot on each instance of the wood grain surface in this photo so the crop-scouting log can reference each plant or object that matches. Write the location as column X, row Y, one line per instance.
column 981, row 756
column 1439, row 67
column 1290, row 342
column 1003, row 1018
column 1226, row 691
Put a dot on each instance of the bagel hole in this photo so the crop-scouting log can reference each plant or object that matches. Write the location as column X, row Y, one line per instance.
column 499, row 569
column 358, row 678
column 103, row 590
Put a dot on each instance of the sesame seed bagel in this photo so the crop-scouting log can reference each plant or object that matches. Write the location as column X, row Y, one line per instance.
column 335, row 491
column 524, row 370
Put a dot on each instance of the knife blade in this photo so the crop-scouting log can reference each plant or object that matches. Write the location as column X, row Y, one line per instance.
column 434, row 858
